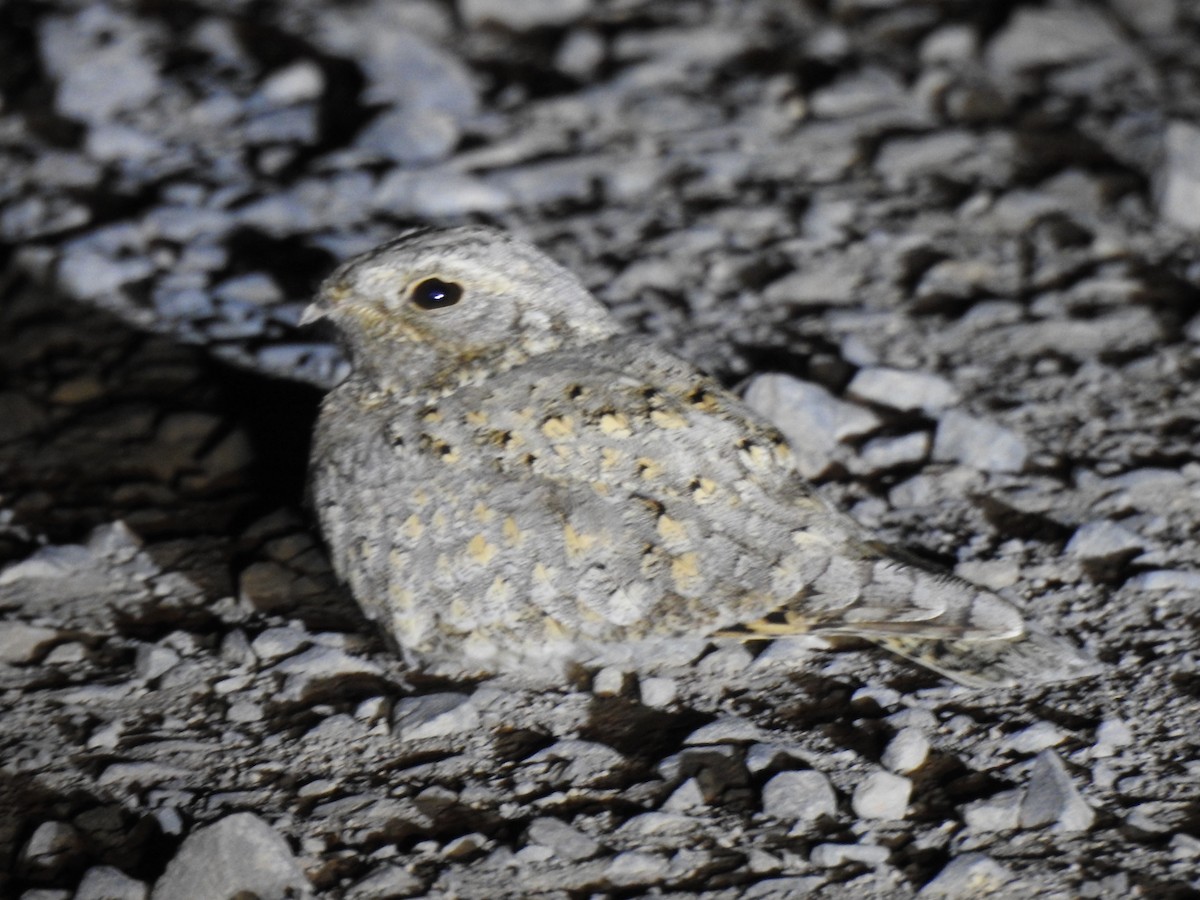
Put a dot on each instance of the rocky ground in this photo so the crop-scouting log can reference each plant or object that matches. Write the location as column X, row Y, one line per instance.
column 954, row 242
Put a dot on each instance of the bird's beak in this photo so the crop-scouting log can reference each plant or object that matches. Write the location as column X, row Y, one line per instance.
column 314, row 312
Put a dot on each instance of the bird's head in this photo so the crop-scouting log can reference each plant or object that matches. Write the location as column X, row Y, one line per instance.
column 436, row 308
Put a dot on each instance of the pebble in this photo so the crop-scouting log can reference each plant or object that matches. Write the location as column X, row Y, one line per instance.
column 1051, row 798
column 634, row 867
column 657, row 692
column 906, row 751
column 433, row 715
column 881, row 795
column 1111, row 735
column 799, row 796
column 812, row 419
column 978, row 443
column 566, row 842
column 524, row 16
column 609, row 682
column 52, row 847
column 1036, row 38
column 110, row 883
column 21, row 643
column 1103, row 539
column 903, row 390
column 1178, row 177
column 1036, row 737
column 1001, row 812
column 827, row 856
column 387, row 880
column 881, row 454
column 727, row 730
column 238, row 854
column 966, row 877
column 588, row 763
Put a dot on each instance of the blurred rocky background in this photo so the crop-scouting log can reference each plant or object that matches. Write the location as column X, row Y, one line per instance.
column 950, row 246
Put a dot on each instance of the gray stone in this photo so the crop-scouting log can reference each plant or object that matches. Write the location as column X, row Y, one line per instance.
column 978, row 443
column 727, row 730
column 565, row 841
column 812, row 419
column 1039, row 38
column 275, row 643
column 239, row 854
column 881, row 795
column 827, row 856
column 1111, row 734
column 52, row 847
column 387, row 880
column 997, row 813
column 433, row 715
column 109, row 883
column 966, row 877
column 523, row 16
column 799, row 796
column 1103, row 539
column 906, row 751
column 903, row 390
column 22, row 643
column 410, row 136
column 1036, row 737
column 657, row 692
column 1051, row 798
column 881, row 454
column 635, row 867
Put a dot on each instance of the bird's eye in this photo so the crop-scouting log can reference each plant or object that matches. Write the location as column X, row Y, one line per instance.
column 433, row 293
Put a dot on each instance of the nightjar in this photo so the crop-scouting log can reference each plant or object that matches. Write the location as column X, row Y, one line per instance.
column 508, row 478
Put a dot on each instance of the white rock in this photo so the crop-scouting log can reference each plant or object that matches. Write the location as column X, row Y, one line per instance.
column 812, row 419
column 978, row 443
column 903, row 390
column 967, row 877
column 1051, row 798
column 881, row 795
column 434, row 715
column 906, row 751
column 239, row 854
column 799, row 796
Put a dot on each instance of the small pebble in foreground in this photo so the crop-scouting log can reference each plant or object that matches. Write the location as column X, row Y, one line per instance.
column 508, row 479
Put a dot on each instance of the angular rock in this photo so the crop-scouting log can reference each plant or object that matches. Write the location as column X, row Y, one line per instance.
column 799, row 796
column 907, row 750
column 881, row 795
column 811, row 418
column 239, row 854
column 1051, row 798
column 903, row 390
column 979, row 443
column 966, row 877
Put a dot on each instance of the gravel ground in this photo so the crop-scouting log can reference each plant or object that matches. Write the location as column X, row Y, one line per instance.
column 950, row 246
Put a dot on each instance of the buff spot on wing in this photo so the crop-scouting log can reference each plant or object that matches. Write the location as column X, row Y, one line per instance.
column 648, row 468
column 615, row 425
column 576, row 543
column 664, row 418
column 671, row 530
column 512, row 531
column 558, row 427
column 610, row 457
column 481, row 551
column 685, row 571
column 413, row 528
column 401, row 597
column 483, row 513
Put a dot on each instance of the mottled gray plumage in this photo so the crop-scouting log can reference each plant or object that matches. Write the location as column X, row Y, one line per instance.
column 511, row 477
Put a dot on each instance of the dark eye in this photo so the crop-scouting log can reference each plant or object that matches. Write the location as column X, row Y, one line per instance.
column 433, row 293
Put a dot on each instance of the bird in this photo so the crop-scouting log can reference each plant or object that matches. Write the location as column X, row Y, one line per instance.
column 509, row 478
